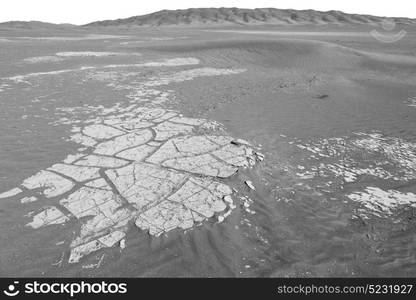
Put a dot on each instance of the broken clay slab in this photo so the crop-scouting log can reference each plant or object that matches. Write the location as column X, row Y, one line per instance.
column 144, row 165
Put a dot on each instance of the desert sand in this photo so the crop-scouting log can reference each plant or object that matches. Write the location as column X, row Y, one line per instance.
column 207, row 151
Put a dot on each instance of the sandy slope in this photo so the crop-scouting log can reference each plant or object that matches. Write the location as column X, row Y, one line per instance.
column 297, row 93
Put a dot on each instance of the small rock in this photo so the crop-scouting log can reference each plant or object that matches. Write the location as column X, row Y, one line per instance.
column 250, row 185
column 123, row 243
column 240, row 142
column 228, row 199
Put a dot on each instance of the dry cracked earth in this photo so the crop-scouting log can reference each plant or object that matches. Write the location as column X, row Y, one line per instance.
column 141, row 163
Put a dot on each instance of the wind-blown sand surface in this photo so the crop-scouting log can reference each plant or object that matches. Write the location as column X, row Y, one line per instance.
column 194, row 152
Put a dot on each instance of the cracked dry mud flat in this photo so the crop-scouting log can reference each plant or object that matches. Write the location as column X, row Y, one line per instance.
column 143, row 164
column 345, row 164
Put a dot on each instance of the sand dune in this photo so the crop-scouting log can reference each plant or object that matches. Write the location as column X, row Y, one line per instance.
column 34, row 25
column 222, row 16
column 318, row 56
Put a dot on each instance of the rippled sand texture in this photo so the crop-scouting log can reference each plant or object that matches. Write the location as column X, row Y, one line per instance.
column 196, row 153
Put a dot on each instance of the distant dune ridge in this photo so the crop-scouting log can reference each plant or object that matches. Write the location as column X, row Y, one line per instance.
column 225, row 16
column 34, row 25
column 239, row 16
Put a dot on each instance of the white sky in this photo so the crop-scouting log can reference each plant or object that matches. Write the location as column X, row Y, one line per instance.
column 84, row 11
